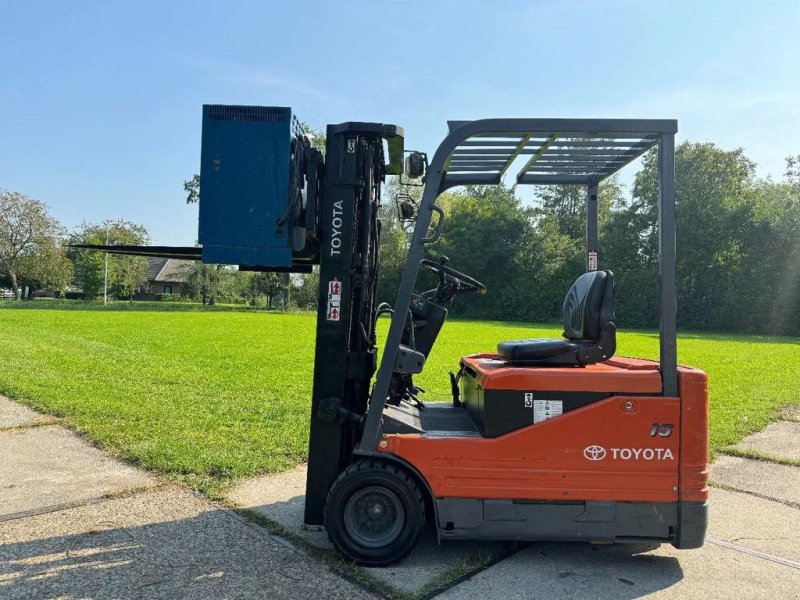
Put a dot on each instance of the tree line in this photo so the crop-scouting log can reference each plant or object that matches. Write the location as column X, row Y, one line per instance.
column 738, row 248
column 36, row 253
column 738, row 242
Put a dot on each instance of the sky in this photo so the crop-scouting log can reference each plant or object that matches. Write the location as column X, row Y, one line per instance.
column 100, row 103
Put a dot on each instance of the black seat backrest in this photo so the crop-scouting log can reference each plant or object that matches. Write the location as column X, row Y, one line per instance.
column 589, row 305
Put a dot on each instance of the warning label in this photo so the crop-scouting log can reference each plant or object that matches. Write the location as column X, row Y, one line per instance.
column 593, row 261
column 334, row 299
column 546, row 409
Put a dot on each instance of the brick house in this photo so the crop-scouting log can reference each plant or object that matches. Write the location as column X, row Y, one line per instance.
column 167, row 276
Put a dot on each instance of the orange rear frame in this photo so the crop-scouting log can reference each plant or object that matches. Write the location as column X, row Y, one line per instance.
column 547, row 460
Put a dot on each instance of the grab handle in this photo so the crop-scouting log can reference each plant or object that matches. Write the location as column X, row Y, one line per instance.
column 439, row 226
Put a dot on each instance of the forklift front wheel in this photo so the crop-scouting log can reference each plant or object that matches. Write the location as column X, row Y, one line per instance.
column 374, row 513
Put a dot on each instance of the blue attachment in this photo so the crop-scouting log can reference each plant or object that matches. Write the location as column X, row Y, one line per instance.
column 245, row 181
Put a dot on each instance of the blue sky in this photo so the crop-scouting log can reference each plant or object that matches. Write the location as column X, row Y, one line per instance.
column 100, row 105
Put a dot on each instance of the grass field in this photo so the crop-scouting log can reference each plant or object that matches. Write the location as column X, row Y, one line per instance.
column 210, row 396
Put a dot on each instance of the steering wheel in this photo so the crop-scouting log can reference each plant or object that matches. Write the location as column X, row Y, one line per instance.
column 449, row 277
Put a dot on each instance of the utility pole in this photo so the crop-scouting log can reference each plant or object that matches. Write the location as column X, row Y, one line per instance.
column 105, row 274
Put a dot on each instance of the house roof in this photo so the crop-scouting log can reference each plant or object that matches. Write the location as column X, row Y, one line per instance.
column 155, row 264
column 170, row 270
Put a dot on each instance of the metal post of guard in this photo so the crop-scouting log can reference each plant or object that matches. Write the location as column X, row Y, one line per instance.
column 666, row 240
column 591, row 227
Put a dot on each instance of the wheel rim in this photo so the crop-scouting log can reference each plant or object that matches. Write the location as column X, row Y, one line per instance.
column 374, row 517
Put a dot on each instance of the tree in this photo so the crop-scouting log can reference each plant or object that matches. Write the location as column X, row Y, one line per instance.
column 48, row 268
column 317, row 137
column 258, row 286
column 713, row 195
column 488, row 235
column 558, row 252
column 307, row 292
column 130, row 275
column 566, row 205
column 768, row 293
column 126, row 274
column 28, row 239
column 204, row 283
column 793, row 172
column 273, row 284
column 192, row 189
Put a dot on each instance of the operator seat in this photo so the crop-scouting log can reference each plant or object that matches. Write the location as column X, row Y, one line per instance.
column 589, row 330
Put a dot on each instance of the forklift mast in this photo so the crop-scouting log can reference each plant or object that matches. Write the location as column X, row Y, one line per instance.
column 346, row 353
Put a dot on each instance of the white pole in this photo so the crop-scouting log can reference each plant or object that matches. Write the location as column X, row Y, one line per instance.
column 105, row 275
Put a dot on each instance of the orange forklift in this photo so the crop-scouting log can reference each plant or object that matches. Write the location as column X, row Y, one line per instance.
column 544, row 439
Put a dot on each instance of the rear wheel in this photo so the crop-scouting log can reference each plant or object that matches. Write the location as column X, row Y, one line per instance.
column 374, row 513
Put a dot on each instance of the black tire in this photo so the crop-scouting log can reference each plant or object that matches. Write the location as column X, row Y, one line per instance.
column 374, row 513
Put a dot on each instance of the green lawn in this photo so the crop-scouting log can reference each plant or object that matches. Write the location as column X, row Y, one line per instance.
column 207, row 396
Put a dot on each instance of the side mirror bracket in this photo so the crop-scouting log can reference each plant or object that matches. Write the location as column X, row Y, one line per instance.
column 406, row 208
column 415, row 167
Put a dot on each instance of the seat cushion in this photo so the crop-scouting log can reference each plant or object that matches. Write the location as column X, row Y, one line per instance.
column 536, row 350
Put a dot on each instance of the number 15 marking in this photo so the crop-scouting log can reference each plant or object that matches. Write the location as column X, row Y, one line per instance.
column 661, row 430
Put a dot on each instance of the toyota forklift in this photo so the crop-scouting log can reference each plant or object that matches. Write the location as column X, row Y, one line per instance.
column 542, row 439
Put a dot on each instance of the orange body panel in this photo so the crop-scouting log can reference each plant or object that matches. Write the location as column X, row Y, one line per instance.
column 550, row 461
column 694, row 434
column 623, row 375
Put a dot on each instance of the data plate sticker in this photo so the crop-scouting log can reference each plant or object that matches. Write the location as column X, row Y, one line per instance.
column 546, row 409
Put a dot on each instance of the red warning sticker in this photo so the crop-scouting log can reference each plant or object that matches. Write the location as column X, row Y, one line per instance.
column 334, row 299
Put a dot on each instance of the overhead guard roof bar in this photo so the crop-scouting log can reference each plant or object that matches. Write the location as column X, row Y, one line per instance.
column 574, row 151
column 560, row 157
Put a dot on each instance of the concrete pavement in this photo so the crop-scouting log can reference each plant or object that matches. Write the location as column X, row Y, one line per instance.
column 759, row 478
column 780, row 440
column 50, row 467
column 622, row 572
column 17, row 415
column 75, row 523
column 165, row 543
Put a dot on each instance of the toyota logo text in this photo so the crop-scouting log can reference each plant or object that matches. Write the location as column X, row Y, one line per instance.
column 595, row 453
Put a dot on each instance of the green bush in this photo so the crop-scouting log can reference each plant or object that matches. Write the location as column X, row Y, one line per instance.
column 174, row 298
